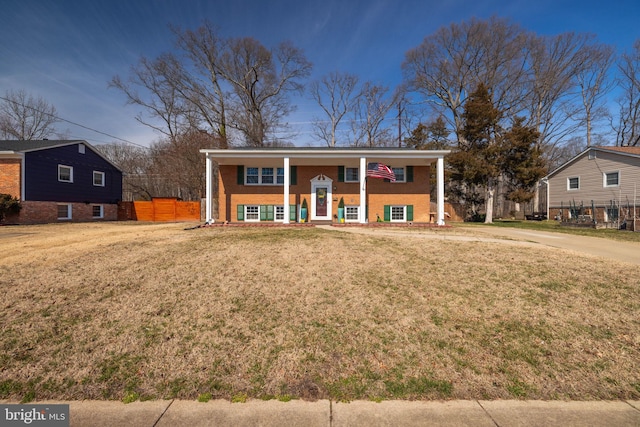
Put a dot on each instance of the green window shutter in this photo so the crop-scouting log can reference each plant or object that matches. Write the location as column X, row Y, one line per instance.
column 263, row 212
column 270, row 216
column 293, row 175
column 409, row 212
column 340, row 173
column 292, row 212
column 240, row 175
column 409, row 172
column 240, row 212
column 387, row 213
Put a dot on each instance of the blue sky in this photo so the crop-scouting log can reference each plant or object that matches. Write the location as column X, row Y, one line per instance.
column 66, row 51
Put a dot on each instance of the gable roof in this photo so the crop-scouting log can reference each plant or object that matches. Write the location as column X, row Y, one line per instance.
column 623, row 151
column 24, row 146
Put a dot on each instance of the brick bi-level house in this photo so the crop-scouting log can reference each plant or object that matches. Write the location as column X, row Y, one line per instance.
column 288, row 185
column 59, row 181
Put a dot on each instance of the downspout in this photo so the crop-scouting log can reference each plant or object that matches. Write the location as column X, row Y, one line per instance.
column 23, row 179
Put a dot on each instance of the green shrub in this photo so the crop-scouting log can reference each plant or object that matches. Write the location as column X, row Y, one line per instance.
column 8, row 205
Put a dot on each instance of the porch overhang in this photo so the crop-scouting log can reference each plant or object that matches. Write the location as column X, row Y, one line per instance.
column 357, row 157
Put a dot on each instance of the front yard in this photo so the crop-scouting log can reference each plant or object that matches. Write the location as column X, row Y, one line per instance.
column 132, row 311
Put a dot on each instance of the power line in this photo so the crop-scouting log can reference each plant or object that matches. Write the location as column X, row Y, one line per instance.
column 73, row 123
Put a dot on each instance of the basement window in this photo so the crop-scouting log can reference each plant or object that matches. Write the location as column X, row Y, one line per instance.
column 64, row 211
column 97, row 211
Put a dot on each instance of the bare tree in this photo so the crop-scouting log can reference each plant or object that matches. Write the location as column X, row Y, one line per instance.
column 628, row 128
column 336, row 95
column 24, row 117
column 370, row 111
column 217, row 85
column 453, row 61
column 594, row 85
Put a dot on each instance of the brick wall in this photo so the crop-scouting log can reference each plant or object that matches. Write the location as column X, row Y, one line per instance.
column 379, row 192
column 47, row 212
column 10, row 177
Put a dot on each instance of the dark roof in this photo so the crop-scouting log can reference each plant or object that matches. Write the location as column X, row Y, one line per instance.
column 17, row 145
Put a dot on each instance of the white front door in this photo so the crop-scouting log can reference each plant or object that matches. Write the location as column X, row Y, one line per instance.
column 321, row 193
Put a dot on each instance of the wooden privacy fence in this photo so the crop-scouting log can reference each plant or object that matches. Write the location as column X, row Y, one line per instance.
column 159, row 209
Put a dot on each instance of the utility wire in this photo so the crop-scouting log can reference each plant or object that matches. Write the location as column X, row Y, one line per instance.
column 73, row 123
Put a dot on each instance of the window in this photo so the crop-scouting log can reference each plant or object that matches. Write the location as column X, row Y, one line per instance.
column 65, row 173
column 98, row 179
column 573, row 183
column 97, row 211
column 252, row 175
column 400, row 175
column 265, row 176
column 351, row 213
column 252, row 213
column 397, row 213
column 64, row 211
column 351, row 175
column 279, row 213
column 611, row 179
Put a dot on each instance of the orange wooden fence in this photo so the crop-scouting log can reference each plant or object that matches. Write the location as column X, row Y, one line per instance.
column 159, row 209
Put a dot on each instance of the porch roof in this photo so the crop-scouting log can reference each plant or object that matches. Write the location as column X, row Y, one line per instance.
column 324, row 156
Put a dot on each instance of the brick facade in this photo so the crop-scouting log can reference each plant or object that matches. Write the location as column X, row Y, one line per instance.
column 10, row 177
column 47, row 212
column 379, row 192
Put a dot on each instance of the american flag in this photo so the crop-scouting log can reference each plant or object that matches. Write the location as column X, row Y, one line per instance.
column 378, row 170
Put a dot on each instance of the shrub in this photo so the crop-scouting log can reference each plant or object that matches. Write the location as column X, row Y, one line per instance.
column 8, row 205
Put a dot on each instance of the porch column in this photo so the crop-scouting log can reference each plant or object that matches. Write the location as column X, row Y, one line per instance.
column 363, row 190
column 287, row 180
column 208, row 190
column 440, row 180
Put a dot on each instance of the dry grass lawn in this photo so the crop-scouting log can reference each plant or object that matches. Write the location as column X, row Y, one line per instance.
column 149, row 311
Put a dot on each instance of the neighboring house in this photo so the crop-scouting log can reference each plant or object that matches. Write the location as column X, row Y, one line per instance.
column 604, row 181
column 59, row 181
column 272, row 185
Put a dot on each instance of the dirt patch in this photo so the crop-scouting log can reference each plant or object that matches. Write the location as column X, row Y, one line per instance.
column 139, row 311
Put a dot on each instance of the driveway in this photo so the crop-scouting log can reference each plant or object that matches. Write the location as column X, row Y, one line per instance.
column 595, row 246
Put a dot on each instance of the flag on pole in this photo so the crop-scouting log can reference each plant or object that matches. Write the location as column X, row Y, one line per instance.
column 378, row 170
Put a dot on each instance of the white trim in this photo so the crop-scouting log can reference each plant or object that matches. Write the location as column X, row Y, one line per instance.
column 604, row 179
column 70, row 181
column 104, row 178
column 404, row 213
column 404, row 175
column 246, row 215
column 569, row 178
column 321, row 181
column 101, row 211
column 69, row 211
column 357, row 207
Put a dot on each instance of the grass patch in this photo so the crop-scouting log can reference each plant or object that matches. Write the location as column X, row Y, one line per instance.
column 308, row 314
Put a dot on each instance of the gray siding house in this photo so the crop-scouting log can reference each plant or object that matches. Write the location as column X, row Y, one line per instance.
column 601, row 184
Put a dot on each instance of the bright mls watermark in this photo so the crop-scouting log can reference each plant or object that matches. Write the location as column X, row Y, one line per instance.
column 34, row 415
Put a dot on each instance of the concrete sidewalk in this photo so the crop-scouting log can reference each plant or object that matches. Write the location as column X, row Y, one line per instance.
column 359, row 413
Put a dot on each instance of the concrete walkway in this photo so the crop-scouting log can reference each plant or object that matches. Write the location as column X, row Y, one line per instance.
column 628, row 252
column 359, row 413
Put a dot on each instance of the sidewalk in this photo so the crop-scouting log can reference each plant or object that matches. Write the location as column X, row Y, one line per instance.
column 359, row 413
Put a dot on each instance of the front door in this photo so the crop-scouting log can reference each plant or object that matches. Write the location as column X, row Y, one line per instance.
column 321, row 201
column 321, row 195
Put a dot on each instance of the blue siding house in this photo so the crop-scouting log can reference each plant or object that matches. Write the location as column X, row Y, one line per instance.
column 61, row 180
